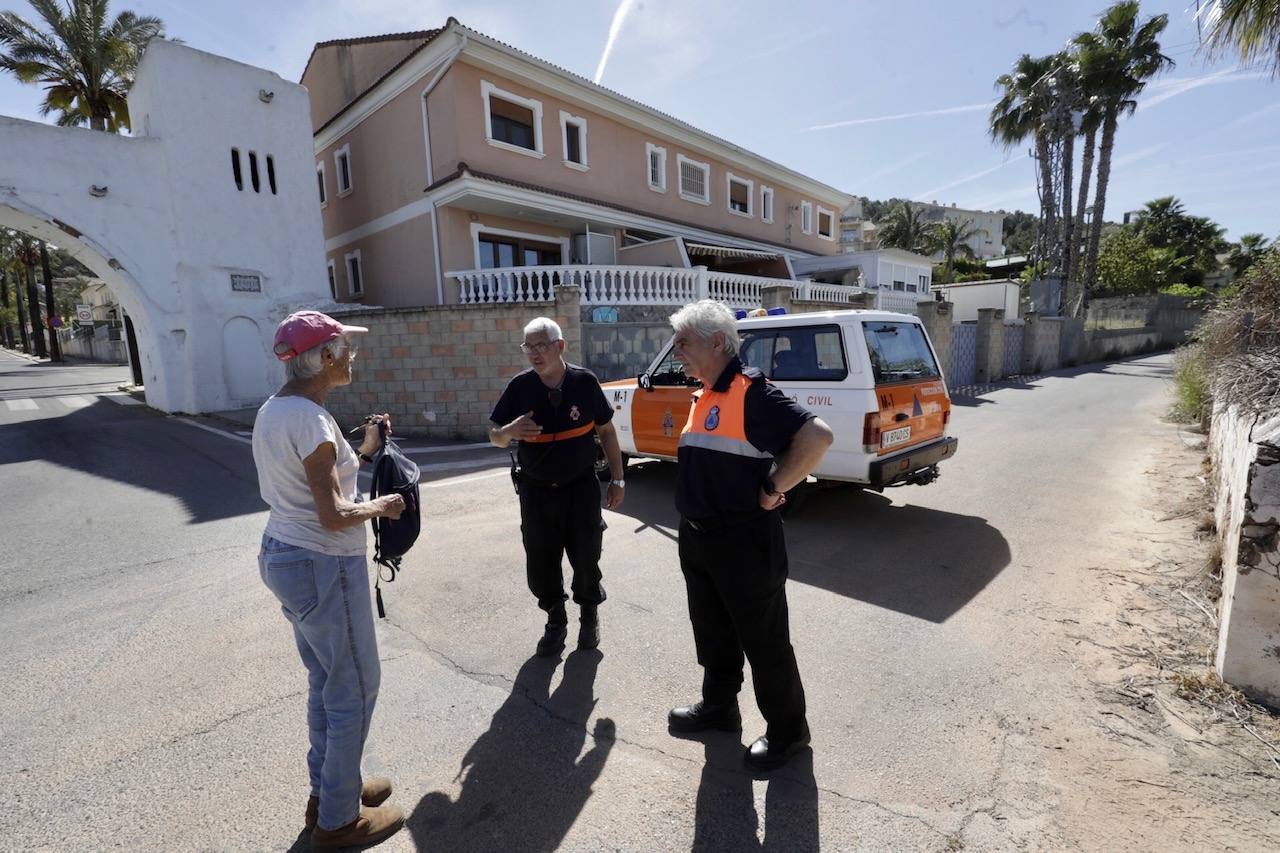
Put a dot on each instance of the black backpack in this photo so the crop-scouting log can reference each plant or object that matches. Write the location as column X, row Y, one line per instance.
column 394, row 473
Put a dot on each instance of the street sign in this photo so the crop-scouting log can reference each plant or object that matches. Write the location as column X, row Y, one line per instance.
column 84, row 314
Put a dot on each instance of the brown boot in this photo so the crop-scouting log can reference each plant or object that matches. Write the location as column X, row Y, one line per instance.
column 372, row 826
column 374, row 793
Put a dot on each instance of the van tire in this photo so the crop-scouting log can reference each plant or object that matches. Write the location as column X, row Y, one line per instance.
column 603, row 474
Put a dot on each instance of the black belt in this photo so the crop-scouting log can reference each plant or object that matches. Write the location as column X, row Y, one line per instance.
column 721, row 523
column 559, row 484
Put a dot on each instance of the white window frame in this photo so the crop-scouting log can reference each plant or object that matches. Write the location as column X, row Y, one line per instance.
column 567, row 119
column 352, row 281
column 806, row 217
column 324, row 184
column 344, row 151
column 924, row 283
column 487, row 90
column 478, row 228
column 729, row 179
column 649, row 150
column 831, row 217
column 766, row 204
column 332, row 267
column 681, row 160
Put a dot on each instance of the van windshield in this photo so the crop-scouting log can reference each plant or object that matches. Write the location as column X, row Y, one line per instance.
column 899, row 352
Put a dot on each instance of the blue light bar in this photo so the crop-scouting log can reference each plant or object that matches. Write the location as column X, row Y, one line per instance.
column 740, row 314
column 774, row 312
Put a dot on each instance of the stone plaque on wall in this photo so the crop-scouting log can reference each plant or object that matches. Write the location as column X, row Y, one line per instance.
column 246, row 283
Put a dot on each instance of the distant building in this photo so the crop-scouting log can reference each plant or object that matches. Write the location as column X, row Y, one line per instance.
column 988, row 242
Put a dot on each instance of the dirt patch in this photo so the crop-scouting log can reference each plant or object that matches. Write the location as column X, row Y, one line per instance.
column 1179, row 760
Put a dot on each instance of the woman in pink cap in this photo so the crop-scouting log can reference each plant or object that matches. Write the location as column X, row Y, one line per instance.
column 314, row 560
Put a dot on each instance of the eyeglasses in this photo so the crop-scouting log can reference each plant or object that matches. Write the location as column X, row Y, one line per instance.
column 540, row 347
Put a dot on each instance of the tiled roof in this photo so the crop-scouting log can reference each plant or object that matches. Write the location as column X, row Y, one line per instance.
column 463, row 170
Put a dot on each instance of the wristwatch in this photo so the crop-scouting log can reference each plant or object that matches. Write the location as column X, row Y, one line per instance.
column 621, row 484
column 366, row 457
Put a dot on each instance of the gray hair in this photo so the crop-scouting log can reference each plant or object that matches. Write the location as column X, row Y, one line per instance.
column 543, row 325
column 706, row 317
column 310, row 362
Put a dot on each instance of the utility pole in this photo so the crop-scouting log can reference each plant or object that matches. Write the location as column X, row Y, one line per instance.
column 55, row 348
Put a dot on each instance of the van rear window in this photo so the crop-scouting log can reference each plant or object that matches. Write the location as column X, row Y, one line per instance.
column 899, row 352
column 804, row 353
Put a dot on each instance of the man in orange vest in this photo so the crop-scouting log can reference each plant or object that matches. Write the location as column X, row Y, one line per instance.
column 744, row 445
column 556, row 410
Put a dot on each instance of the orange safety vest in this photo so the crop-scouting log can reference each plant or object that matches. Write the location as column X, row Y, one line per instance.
column 717, row 421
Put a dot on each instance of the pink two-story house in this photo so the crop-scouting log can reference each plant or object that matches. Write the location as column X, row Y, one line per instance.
column 452, row 168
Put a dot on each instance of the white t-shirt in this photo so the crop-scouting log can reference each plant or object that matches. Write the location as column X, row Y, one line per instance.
column 288, row 430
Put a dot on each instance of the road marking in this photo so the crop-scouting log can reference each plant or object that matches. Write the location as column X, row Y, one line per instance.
column 456, row 481
column 75, row 402
column 23, row 405
column 222, row 433
column 124, row 399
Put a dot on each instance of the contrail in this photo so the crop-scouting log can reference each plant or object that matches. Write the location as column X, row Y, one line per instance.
column 934, row 192
column 619, row 16
column 1166, row 89
column 944, row 111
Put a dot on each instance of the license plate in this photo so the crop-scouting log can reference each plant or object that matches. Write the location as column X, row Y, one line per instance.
column 895, row 436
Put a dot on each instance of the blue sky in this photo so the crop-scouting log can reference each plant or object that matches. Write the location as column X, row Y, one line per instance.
column 876, row 98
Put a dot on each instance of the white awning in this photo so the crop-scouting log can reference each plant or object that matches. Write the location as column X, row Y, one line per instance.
column 729, row 252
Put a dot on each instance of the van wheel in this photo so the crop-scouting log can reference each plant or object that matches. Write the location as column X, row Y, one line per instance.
column 603, row 474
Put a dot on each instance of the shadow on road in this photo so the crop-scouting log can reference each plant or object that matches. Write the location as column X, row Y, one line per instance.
column 1138, row 366
column 523, row 782
column 725, row 814
column 213, row 477
column 914, row 560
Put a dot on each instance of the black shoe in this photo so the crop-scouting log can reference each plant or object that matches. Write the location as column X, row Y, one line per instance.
column 701, row 717
column 553, row 635
column 763, row 755
column 589, row 628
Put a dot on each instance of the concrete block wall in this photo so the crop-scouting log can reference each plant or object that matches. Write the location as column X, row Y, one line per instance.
column 990, row 348
column 1246, row 456
column 1041, row 344
column 438, row 370
column 937, row 320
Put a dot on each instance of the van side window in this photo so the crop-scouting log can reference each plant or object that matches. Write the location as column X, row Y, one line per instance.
column 899, row 352
column 671, row 372
column 813, row 353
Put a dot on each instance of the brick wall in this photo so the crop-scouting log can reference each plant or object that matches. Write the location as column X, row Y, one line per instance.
column 438, row 370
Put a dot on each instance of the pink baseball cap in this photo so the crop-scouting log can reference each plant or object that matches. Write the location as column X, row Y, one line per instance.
column 302, row 330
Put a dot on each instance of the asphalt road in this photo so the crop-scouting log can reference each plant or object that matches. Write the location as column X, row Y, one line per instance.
column 153, row 699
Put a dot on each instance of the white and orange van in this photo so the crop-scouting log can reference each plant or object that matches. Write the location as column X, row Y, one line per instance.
column 873, row 376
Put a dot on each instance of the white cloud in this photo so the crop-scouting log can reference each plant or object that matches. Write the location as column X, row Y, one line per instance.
column 619, row 17
column 968, row 108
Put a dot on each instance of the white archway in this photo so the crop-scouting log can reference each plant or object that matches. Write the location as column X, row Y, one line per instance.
column 205, row 261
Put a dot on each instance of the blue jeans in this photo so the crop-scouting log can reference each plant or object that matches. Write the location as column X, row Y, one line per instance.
column 326, row 599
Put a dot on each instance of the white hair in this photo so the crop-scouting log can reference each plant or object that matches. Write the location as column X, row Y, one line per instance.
column 706, row 317
column 309, row 363
column 543, row 325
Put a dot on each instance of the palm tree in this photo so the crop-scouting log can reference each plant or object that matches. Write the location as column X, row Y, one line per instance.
column 1247, row 252
column 9, row 248
column 903, row 227
column 1116, row 59
column 1022, row 111
column 28, row 257
column 1252, row 27
column 85, row 62
column 951, row 238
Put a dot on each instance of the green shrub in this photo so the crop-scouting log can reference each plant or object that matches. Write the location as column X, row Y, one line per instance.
column 1191, row 392
column 1187, row 290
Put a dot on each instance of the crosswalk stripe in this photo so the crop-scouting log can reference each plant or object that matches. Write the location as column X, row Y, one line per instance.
column 75, row 402
column 24, row 405
column 124, row 399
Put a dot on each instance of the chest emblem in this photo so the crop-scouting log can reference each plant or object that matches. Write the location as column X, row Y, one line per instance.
column 713, row 418
column 574, row 414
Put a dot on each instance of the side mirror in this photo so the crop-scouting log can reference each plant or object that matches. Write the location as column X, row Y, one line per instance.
column 644, row 381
